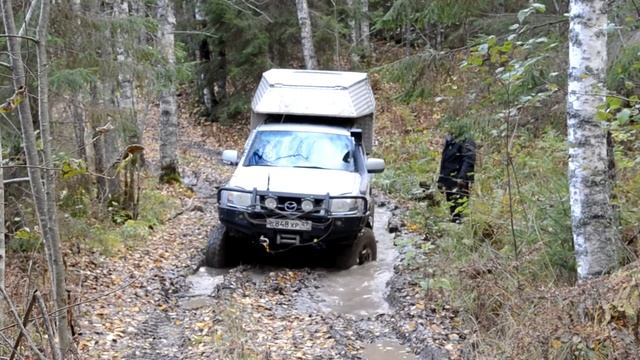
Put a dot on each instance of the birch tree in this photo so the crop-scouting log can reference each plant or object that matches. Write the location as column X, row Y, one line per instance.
column 3, row 252
column 168, row 119
column 306, row 35
column 595, row 236
column 48, row 229
column 364, row 26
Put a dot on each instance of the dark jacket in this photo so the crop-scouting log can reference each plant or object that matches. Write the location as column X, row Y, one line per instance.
column 458, row 162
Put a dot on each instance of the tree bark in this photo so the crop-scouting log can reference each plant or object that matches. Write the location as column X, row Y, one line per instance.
column 79, row 130
column 595, row 236
column 64, row 335
column 52, row 245
column 306, row 35
column 168, row 118
column 126, row 95
column 364, row 27
column 3, row 253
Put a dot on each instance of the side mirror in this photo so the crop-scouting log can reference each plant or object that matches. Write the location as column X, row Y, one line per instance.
column 230, row 157
column 375, row 166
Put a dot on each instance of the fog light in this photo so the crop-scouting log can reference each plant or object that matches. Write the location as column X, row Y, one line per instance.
column 307, row 205
column 271, row 203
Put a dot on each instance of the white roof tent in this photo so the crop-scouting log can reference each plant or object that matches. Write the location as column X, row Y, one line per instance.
column 314, row 93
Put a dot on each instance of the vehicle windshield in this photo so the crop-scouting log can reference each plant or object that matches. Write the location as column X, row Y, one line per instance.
column 301, row 149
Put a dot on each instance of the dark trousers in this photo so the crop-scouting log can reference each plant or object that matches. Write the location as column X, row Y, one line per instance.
column 457, row 199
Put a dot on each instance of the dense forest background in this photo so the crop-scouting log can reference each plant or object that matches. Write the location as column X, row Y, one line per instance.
column 495, row 70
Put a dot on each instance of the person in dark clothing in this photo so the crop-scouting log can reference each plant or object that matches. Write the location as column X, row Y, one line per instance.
column 456, row 173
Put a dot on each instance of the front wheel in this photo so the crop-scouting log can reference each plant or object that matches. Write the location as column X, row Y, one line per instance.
column 363, row 250
column 220, row 249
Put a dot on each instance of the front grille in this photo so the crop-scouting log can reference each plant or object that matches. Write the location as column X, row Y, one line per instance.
column 294, row 204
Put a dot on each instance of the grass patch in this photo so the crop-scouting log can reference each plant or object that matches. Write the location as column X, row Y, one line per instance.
column 101, row 234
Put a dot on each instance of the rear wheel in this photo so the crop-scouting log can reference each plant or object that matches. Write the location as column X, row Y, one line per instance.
column 221, row 248
column 363, row 250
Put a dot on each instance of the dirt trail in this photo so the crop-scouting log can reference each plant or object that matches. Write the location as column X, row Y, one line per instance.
column 171, row 308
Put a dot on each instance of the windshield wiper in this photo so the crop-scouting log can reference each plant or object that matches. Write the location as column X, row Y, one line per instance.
column 289, row 156
column 311, row 167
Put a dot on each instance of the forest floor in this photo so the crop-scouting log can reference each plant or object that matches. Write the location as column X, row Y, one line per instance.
column 157, row 301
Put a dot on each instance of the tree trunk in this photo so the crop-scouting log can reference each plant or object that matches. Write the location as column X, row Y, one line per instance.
column 77, row 114
column 168, row 118
column 354, row 31
column 221, row 73
column 306, row 35
column 3, row 253
column 126, row 95
column 354, row 28
column 60, row 291
column 52, row 245
column 364, row 27
column 205, row 83
column 595, row 236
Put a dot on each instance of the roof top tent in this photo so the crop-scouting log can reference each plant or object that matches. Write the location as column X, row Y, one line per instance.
column 317, row 97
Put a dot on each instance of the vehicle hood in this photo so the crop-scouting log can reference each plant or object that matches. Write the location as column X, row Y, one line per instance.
column 296, row 180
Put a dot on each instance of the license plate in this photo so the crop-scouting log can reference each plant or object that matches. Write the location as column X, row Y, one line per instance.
column 286, row 224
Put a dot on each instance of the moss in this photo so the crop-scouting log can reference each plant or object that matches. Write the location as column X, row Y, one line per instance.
column 170, row 175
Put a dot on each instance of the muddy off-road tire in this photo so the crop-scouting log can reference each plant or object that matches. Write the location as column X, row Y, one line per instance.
column 221, row 249
column 363, row 250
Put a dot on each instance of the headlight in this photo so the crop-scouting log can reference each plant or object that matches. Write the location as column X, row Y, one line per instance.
column 347, row 206
column 271, row 203
column 235, row 199
column 307, row 205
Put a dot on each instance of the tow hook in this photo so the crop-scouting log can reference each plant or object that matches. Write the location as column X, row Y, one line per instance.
column 264, row 242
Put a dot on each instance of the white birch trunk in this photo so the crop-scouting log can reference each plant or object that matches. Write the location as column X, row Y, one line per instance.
column 168, row 118
column 306, row 35
column 125, row 96
column 3, row 253
column 354, row 28
column 52, row 250
column 76, row 7
column 198, row 11
column 60, row 291
column 364, row 26
column 595, row 236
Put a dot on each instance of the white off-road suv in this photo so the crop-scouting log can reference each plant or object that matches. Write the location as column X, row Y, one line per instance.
column 303, row 177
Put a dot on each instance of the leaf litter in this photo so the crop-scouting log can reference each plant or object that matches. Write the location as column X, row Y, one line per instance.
column 269, row 315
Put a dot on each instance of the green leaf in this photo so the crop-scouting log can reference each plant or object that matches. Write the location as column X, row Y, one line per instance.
column 23, row 234
column 73, row 167
column 602, row 115
column 614, row 103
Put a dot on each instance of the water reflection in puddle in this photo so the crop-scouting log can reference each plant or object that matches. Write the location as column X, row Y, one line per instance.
column 387, row 350
column 361, row 290
column 204, row 281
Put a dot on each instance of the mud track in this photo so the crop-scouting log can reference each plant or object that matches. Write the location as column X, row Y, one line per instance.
column 176, row 309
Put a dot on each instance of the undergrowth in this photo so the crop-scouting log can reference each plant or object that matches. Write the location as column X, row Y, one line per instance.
column 514, row 283
column 99, row 232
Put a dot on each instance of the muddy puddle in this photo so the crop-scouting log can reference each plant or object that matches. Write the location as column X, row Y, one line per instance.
column 387, row 350
column 362, row 290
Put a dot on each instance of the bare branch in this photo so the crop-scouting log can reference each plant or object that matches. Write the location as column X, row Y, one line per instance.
column 19, row 37
column 18, row 323
column 55, row 351
column 78, row 303
column 16, row 344
column 27, row 18
column 194, row 32
column 16, row 180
